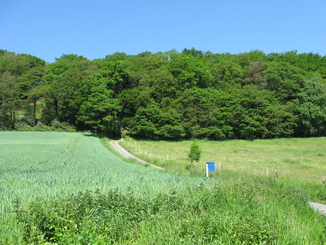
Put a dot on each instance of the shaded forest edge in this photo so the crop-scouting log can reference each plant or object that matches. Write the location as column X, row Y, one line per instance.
column 167, row 95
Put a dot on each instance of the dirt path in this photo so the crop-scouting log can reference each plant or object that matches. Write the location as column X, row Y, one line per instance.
column 115, row 144
column 319, row 207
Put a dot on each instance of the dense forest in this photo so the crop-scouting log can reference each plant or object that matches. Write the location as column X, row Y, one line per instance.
column 167, row 95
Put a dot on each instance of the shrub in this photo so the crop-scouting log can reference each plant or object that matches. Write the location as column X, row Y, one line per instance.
column 232, row 214
column 195, row 152
column 42, row 127
column 61, row 126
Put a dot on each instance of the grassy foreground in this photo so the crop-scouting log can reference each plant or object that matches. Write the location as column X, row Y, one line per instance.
column 60, row 188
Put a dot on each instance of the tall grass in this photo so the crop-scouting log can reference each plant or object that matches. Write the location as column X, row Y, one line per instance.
column 241, row 210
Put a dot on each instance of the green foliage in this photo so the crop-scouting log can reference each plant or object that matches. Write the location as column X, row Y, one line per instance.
column 61, row 126
column 194, row 152
column 195, row 94
column 189, row 72
column 160, row 84
column 201, row 112
column 311, row 102
column 98, row 110
column 33, row 61
column 285, row 79
column 235, row 212
column 83, row 218
column 193, row 52
column 9, row 100
column 154, row 123
column 63, row 80
column 227, row 72
column 256, row 74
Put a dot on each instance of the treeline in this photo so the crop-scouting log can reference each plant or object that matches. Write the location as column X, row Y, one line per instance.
column 167, row 95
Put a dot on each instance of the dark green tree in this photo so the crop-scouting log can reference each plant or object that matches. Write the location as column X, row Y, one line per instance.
column 311, row 103
column 14, row 64
column 31, row 86
column 160, row 83
column 130, row 101
column 201, row 110
column 9, row 100
column 154, row 123
column 255, row 75
column 285, row 79
column 189, row 72
column 193, row 52
column 99, row 108
column 62, row 80
column 227, row 72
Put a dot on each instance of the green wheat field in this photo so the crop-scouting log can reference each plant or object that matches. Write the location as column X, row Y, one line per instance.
column 69, row 188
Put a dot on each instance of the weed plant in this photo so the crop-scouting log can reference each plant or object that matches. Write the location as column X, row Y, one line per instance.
column 241, row 210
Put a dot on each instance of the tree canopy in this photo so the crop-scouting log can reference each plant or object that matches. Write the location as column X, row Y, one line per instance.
column 168, row 95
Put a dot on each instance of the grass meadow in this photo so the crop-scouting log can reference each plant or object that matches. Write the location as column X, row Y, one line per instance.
column 295, row 158
column 68, row 188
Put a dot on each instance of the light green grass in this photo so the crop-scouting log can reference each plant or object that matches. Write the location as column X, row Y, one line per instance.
column 296, row 157
column 36, row 164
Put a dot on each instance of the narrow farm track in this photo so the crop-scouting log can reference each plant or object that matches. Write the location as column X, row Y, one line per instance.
column 122, row 151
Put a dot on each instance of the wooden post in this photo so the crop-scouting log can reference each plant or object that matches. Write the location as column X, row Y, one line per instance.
column 219, row 166
column 266, row 171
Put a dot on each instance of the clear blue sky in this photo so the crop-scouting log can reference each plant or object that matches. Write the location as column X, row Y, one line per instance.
column 96, row 28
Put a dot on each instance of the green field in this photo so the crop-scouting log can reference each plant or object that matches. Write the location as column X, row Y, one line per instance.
column 294, row 158
column 46, row 164
column 68, row 188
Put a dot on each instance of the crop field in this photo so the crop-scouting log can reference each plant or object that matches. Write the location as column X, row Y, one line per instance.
column 68, row 188
column 48, row 164
column 41, row 164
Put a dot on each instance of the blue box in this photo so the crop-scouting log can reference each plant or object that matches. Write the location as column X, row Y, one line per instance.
column 211, row 166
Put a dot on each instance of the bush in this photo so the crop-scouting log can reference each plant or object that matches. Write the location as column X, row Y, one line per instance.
column 195, row 152
column 245, row 211
column 42, row 127
column 61, row 126
column 87, row 218
column 24, row 127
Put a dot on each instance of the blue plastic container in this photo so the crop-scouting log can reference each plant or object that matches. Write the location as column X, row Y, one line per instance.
column 211, row 166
